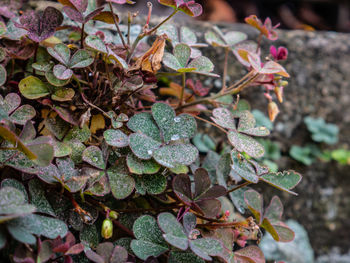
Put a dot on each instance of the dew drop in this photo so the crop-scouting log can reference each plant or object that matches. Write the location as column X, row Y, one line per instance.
column 175, row 137
column 177, row 119
column 150, row 152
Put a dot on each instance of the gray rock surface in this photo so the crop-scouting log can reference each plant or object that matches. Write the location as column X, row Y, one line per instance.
column 319, row 65
column 297, row 251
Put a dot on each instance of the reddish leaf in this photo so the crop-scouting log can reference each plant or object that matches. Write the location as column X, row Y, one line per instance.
column 250, row 254
column 76, row 249
column 41, row 25
column 197, row 87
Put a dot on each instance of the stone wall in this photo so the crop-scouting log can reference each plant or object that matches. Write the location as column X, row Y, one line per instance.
column 319, row 65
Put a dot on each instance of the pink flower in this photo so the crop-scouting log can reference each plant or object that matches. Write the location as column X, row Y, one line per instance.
column 189, row 7
column 279, row 54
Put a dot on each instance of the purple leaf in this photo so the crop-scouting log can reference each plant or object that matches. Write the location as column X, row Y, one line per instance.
column 41, row 25
column 73, row 14
column 80, row 5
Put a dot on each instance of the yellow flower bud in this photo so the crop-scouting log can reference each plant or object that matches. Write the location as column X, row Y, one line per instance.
column 113, row 215
column 272, row 110
column 107, row 229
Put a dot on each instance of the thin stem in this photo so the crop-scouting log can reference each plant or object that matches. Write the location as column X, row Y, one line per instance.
column 117, row 26
column 228, row 224
column 129, row 28
column 229, row 91
column 94, row 106
column 35, row 55
column 142, row 35
column 239, row 187
column 259, row 42
column 162, row 23
column 224, row 76
column 211, row 123
column 82, row 36
column 183, row 75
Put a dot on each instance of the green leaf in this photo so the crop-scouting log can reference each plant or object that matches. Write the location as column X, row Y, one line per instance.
column 262, row 119
column 116, row 138
column 60, row 52
column 80, row 59
column 23, row 228
column 149, row 238
column 121, row 183
column 280, row 231
column 138, row 166
column 57, row 126
column 63, row 94
column 250, row 254
column 182, row 53
column 15, row 184
column 284, row 181
column 202, row 65
column 322, row 131
column 206, row 247
column 214, row 39
column 174, row 231
column 164, row 115
column 153, row 184
column 171, row 62
column 244, row 143
column 43, row 149
column 53, row 80
column 23, row 114
column 62, row 72
column 144, row 123
column 13, row 204
column 172, row 155
column 38, row 197
column 33, row 88
column 3, row 75
column 143, row 146
column 77, row 151
column 254, row 202
column 204, row 143
column 93, row 156
column 82, row 135
column 184, row 257
column 183, row 126
column 96, row 43
column 224, row 118
column 243, row 169
column 89, row 236
column 306, row 154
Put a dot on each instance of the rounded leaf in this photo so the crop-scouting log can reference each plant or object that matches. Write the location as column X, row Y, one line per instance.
column 33, row 88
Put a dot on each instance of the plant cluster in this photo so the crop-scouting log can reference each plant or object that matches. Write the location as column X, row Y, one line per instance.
column 100, row 156
column 323, row 134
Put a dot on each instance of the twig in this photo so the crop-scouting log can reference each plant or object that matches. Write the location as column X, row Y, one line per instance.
column 239, row 187
column 117, row 26
column 183, row 88
column 223, row 89
column 211, row 123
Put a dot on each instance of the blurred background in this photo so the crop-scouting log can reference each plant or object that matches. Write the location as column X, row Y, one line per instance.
column 292, row 14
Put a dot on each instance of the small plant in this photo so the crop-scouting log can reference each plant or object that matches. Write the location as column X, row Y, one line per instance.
column 99, row 163
column 322, row 131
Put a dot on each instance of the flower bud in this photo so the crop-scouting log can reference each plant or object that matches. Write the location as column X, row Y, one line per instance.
column 107, row 229
column 279, row 93
column 113, row 215
column 273, row 110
